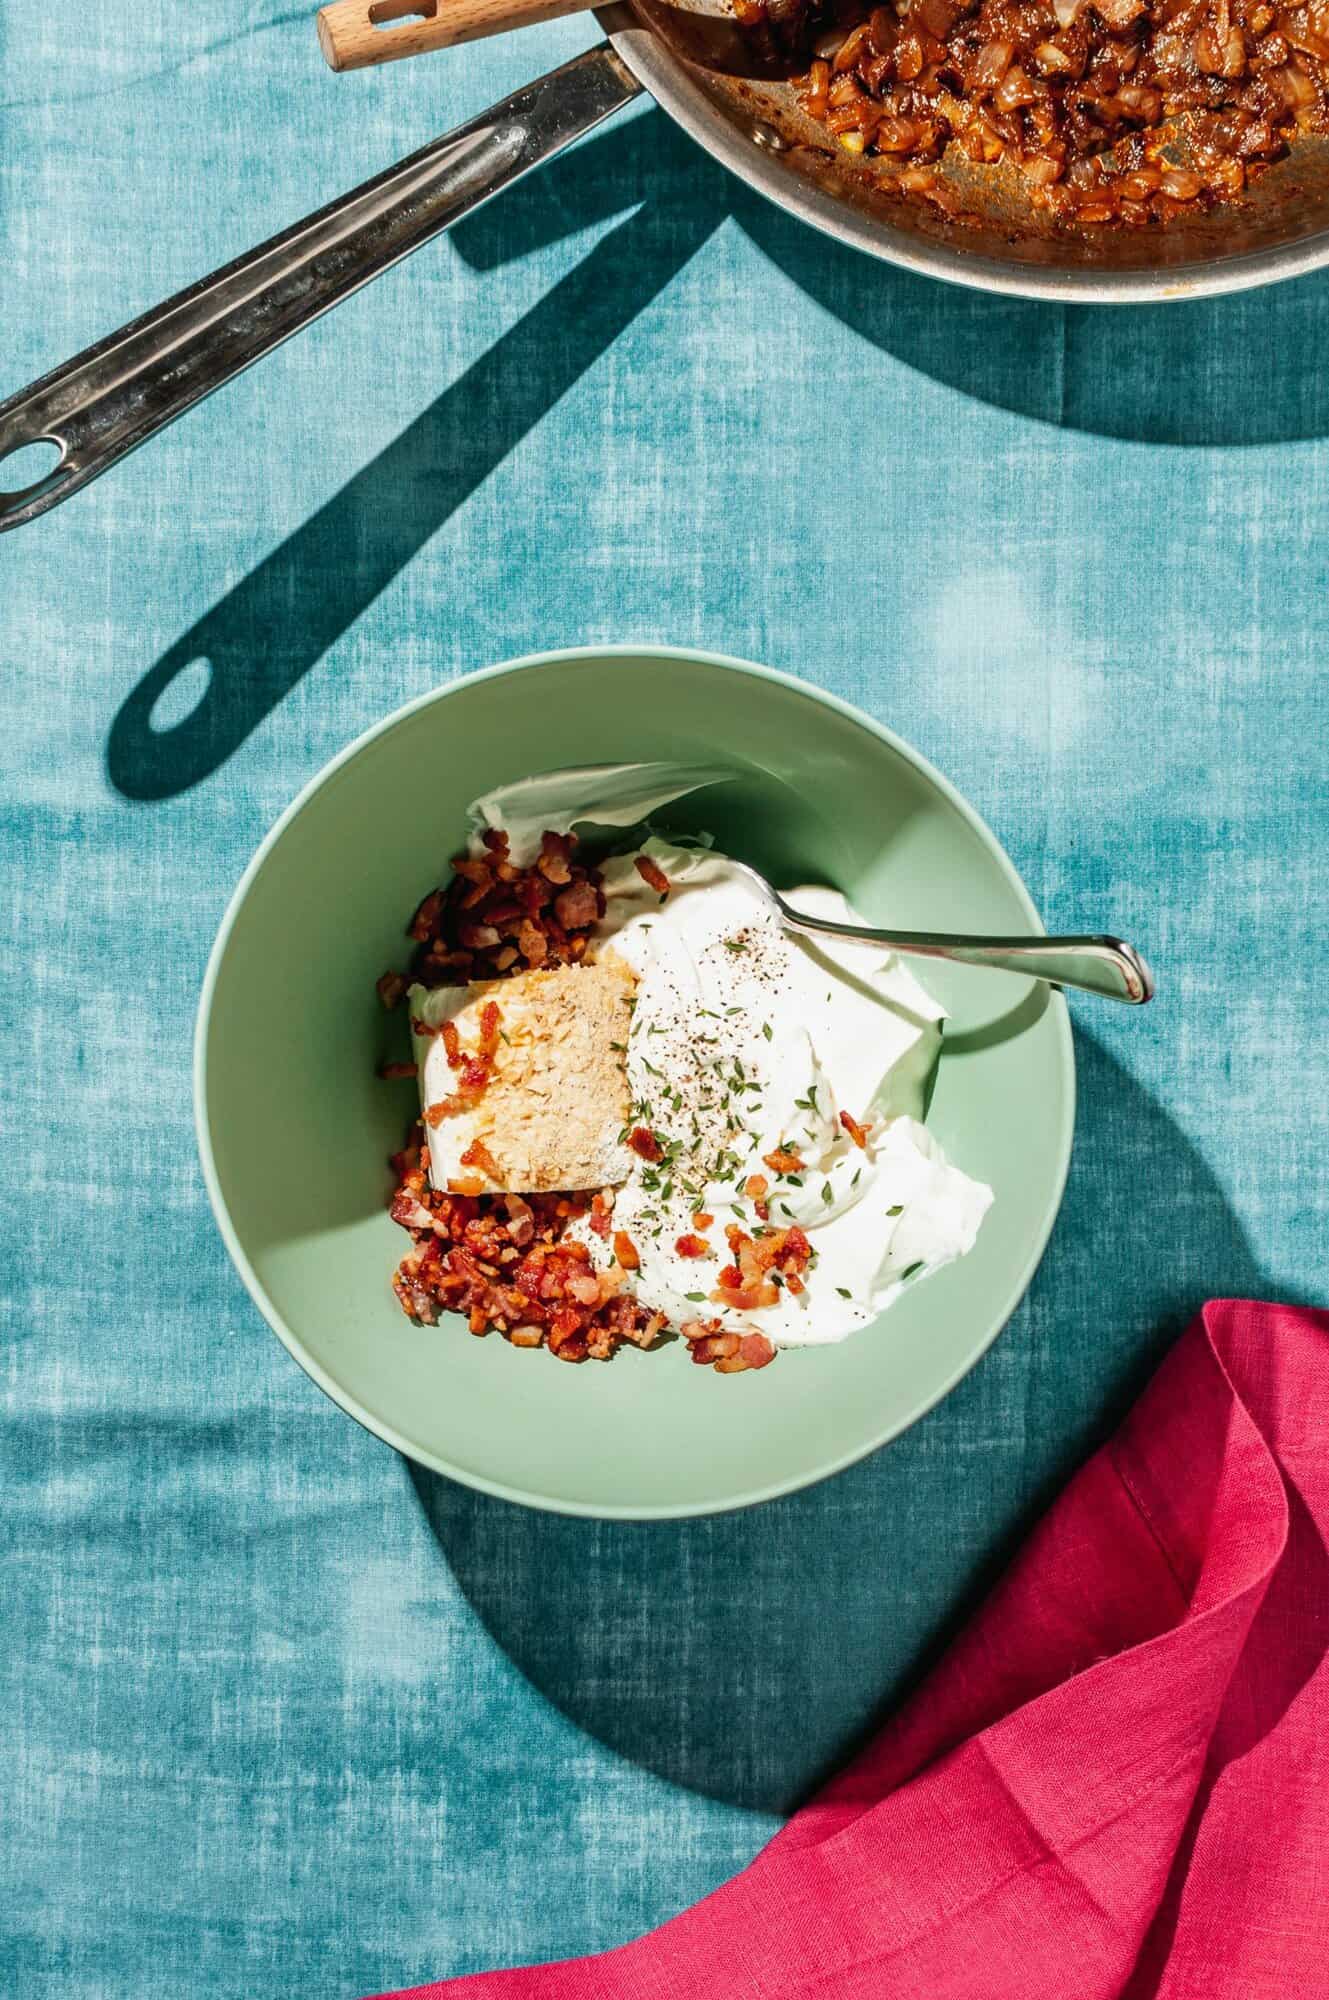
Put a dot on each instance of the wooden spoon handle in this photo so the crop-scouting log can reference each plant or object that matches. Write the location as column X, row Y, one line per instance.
column 354, row 33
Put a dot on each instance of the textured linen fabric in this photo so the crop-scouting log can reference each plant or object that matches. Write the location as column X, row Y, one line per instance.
column 1117, row 1781
column 282, row 1718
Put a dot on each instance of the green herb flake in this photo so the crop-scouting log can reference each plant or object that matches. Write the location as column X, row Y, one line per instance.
column 913, row 1270
column 696, row 1298
column 826, row 1193
column 897, row 1210
column 844, row 1291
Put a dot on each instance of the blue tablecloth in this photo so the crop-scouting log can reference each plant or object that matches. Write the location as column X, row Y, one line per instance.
column 281, row 1716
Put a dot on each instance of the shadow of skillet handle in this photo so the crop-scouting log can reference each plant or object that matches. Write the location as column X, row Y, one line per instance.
column 109, row 399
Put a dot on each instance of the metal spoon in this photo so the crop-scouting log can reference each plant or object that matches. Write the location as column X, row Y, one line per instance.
column 1102, row 965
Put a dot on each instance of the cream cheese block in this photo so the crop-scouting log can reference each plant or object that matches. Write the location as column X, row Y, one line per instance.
column 551, row 1115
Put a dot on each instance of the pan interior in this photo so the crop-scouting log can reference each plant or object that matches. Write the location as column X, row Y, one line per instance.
column 694, row 64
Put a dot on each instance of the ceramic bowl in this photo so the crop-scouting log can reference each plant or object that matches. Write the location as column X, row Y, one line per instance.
column 295, row 1127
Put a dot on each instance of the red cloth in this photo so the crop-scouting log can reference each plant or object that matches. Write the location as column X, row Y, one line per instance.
column 1116, row 1782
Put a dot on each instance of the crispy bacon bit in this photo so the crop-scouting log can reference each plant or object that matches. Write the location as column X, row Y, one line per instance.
column 391, row 988
column 756, row 1350
column 491, row 1023
column 652, row 874
column 532, row 942
column 391, row 1071
column 858, row 1133
column 466, row 1187
column 703, row 1220
column 577, row 906
column 477, row 1154
column 555, row 860
column 757, row 1186
column 452, row 1045
column 644, row 1143
column 692, row 1246
column 425, row 922
column 625, row 1250
column 478, row 937
column 714, row 1347
column 602, row 1205
column 782, row 1161
column 445, row 1108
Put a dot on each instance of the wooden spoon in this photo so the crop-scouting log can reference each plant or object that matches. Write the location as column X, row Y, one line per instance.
column 355, row 33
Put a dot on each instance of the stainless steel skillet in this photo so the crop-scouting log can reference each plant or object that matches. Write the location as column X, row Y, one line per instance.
column 112, row 397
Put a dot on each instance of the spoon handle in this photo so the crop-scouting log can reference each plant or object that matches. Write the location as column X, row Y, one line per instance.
column 1102, row 965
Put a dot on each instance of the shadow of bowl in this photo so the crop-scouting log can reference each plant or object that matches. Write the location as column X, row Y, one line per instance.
column 745, row 1656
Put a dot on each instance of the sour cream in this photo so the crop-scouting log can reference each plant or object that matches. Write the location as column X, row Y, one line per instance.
column 747, row 1039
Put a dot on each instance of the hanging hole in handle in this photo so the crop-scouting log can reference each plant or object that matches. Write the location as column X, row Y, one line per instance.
column 181, row 698
column 391, row 13
column 36, row 465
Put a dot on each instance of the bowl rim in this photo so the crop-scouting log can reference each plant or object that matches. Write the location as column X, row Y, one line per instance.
column 386, row 1432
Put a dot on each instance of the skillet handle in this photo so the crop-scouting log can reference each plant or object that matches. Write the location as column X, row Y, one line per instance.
column 109, row 399
column 355, row 33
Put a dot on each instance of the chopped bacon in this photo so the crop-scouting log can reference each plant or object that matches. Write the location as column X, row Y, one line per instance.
column 452, row 1045
column 746, row 1298
column 532, row 943
column 391, row 1071
column 626, row 1251
column 652, row 874
column 490, row 1029
column 782, row 1161
column 577, row 906
column 703, row 1220
column 692, row 1246
column 505, row 1261
column 555, row 859
column 714, row 1347
column 756, row 1350
column 494, row 917
column 445, row 1108
column 477, row 1154
column 390, row 988
column 757, row 1186
column 601, row 1208
column 478, row 937
column 424, row 924
column 644, row 1143
column 858, row 1133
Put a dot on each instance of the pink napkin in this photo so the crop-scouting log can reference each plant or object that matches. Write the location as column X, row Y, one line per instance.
column 1117, row 1781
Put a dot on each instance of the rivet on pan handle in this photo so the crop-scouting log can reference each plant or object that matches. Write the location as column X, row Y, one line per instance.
column 109, row 399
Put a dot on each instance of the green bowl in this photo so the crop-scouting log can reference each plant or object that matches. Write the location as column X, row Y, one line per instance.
column 294, row 1127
